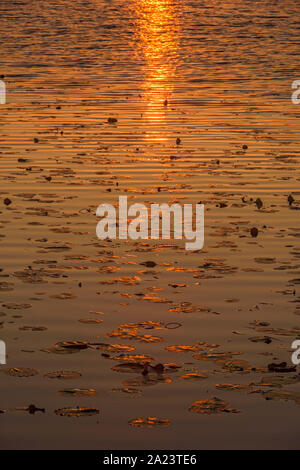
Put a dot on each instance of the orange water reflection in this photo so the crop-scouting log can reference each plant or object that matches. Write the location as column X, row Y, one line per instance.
column 157, row 36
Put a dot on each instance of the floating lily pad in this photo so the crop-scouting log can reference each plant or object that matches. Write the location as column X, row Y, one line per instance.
column 261, row 339
column 277, row 381
column 183, row 348
column 235, row 387
column 31, row 409
column 129, row 367
column 215, row 356
column 90, row 320
column 265, row 260
column 132, row 392
column 6, row 286
column 60, row 350
column 137, row 358
column 145, row 381
column 149, row 422
column 281, row 367
column 194, row 376
column 64, row 296
column 62, row 375
column 148, row 264
column 77, row 392
column 77, row 412
column 18, row 372
column 280, row 395
column 15, row 306
column 211, row 406
column 73, row 344
column 237, row 366
column 173, row 325
column 280, row 331
column 32, row 328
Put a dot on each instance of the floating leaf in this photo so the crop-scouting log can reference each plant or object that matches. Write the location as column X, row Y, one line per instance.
column 64, row 296
column 211, row 406
column 281, row 367
column 73, row 344
column 144, row 381
column 261, row 339
column 129, row 367
column 31, row 409
column 277, row 381
column 90, row 320
column 148, row 264
column 239, row 366
column 77, row 392
column 149, row 422
column 280, row 395
column 77, row 412
column 15, row 306
column 194, row 376
column 18, row 372
column 62, row 375
column 265, row 260
column 183, row 348
column 6, row 286
column 32, row 328
column 231, row 387
column 132, row 392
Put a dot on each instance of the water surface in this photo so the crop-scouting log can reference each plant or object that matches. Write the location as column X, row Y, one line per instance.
column 217, row 75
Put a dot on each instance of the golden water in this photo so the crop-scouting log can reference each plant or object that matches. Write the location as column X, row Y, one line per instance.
column 216, row 74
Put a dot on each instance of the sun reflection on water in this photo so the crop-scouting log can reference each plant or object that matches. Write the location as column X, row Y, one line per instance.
column 157, row 35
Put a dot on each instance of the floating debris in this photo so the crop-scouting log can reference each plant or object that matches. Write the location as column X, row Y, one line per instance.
column 254, row 232
column 31, row 409
column 259, row 203
column 148, row 264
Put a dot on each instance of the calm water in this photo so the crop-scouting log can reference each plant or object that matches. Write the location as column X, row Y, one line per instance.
column 225, row 69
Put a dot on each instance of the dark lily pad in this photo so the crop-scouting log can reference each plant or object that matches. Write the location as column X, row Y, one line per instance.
column 149, row 422
column 211, row 406
column 77, row 412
